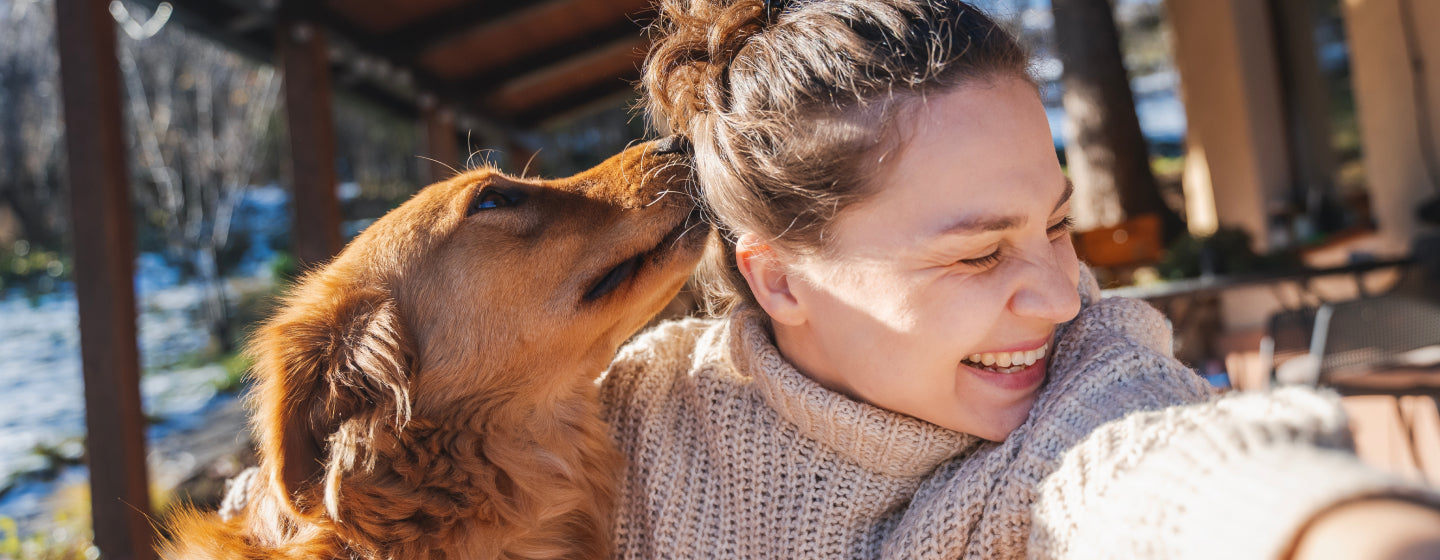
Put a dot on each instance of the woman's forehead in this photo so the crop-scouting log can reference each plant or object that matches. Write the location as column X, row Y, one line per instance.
column 976, row 152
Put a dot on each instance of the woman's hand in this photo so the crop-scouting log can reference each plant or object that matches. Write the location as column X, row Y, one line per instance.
column 1372, row 529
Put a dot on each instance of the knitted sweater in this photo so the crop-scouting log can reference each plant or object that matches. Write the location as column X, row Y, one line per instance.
column 1126, row 453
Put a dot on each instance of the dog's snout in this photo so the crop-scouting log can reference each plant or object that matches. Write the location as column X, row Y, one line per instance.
column 673, row 144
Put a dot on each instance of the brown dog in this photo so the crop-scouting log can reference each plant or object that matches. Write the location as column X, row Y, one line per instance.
column 430, row 393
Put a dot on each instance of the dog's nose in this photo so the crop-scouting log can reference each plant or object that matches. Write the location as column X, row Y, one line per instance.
column 673, row 144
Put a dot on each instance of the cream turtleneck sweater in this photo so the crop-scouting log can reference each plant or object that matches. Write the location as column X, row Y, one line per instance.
column 1126, row 453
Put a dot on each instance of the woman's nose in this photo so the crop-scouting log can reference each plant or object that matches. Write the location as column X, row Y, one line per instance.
column 1048, row 290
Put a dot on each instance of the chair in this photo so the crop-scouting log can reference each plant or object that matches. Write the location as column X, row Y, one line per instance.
column 1287, row 336
column 1378, row 353
column 1366, row 334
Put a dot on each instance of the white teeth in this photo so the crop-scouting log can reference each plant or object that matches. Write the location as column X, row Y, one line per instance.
column 1009, row 362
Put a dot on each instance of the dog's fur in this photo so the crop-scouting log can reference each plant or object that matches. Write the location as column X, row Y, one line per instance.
column 430, row 392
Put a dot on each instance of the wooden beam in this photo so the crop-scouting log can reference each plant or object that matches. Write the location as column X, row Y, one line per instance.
column 104, row 255
column 541, row 28
column 497, row 72
column 375, row 46
column 385, row 16
column 580, row 102
column 304, row 62
column 611, row 65
column 408, row 42
column 441, row 145
column 251, row 31
column 581, row 25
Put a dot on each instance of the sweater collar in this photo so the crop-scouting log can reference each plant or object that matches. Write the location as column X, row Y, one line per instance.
column 874, row 438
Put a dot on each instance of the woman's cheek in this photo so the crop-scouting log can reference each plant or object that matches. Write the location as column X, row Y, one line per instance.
column 1066, row 256
column 965, row 320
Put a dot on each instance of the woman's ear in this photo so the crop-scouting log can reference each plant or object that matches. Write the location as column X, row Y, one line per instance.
column 769, row 279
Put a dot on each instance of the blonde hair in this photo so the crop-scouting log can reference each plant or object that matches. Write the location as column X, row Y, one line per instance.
column 789, row 107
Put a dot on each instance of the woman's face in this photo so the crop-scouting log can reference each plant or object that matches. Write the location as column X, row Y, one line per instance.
column 960, row 258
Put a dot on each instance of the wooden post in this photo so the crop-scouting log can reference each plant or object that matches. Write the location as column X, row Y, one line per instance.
column 104, row 268
column 440, row 144
column 305, row 62
column 1307, row 108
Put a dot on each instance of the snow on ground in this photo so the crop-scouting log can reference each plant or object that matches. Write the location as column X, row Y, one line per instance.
column 41, row 390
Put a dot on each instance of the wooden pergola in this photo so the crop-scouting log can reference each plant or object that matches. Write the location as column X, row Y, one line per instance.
column 500, row 66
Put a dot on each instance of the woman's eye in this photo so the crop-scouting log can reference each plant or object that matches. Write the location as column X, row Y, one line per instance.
column 1062, row 227
column 983, row 262
column 493, row 198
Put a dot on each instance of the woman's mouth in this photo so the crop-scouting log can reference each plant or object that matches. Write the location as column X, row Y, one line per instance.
column 1007, row 362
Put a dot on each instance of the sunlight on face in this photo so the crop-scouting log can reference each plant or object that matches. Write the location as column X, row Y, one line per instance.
column 961, row 256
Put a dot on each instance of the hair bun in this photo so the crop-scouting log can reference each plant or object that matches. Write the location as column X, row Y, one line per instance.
column 686, row 72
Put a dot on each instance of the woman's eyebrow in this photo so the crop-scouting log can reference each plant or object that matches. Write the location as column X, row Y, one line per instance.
column 1065, row 196
column 984, row 223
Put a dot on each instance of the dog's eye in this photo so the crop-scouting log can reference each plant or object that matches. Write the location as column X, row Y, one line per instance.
column 494, row 198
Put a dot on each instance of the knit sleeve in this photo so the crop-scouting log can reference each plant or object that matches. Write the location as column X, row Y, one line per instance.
column 1113, row 359
column 1233, row 478
column 644, row 372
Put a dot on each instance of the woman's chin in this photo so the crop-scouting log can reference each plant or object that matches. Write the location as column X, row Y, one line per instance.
column 1004, row 399
column 1001, row 423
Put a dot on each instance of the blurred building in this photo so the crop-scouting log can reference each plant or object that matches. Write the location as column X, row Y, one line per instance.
column 1309, row 116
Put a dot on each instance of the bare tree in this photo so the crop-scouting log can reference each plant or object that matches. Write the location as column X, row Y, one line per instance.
column 31, row 184
column 1107, row 154
column 199, row 115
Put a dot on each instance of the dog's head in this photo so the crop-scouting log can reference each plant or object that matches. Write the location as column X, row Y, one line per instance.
column 482, row 292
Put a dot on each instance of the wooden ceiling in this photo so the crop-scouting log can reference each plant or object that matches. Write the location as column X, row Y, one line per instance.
column 514, row 63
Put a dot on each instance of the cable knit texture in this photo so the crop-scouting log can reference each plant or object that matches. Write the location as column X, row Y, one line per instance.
column 1126, row 453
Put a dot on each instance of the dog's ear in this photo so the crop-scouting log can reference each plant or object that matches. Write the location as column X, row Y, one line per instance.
column 332, row 369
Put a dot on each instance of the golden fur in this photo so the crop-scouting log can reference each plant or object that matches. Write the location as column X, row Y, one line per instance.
column 430, row 392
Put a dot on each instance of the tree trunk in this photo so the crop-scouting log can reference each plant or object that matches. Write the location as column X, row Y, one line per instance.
column 215, row 305
column 1107, row 154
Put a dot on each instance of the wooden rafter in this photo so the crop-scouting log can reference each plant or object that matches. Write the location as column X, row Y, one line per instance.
column 464, row 53
column 411, row 41
column 499, row 75
column 612, row 67
column 546, row 26
column 386, row 16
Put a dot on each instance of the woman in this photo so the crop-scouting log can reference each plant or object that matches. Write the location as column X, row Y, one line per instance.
column 903, row 366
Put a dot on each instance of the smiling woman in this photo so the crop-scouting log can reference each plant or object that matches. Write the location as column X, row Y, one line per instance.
column 908, row 360
column 951, row 256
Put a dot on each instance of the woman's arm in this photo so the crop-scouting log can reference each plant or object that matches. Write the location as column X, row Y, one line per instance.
column 1372, row 530
column 1246, row 476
